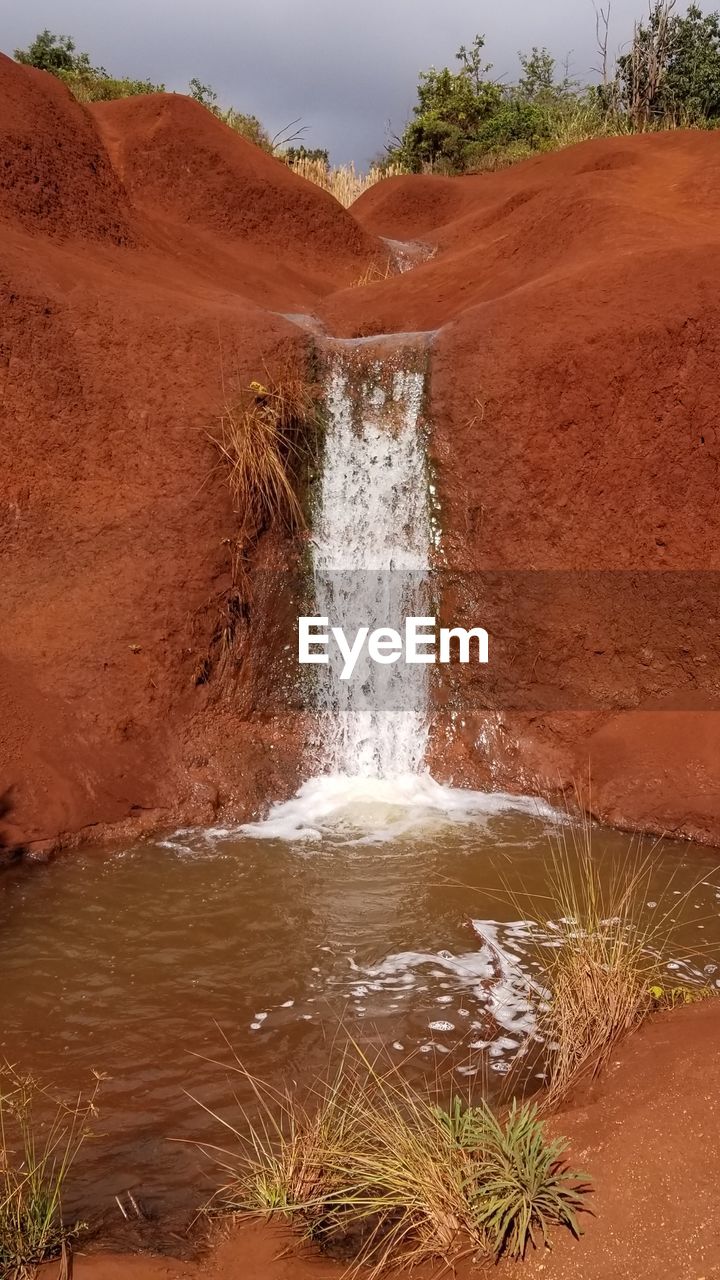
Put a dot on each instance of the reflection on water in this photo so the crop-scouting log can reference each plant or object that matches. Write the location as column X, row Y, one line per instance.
column 135, row 961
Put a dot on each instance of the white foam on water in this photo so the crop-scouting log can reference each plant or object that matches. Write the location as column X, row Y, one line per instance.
column 496, row 979
column 379, row 810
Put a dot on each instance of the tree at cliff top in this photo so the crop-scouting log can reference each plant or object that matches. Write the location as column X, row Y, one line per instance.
column 462, row 115
column 52, row 53
column 466, row 119
column 671, row 73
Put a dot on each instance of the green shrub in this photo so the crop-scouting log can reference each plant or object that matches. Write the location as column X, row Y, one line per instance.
column 517, row 1183
column 370, row 1164
column 53, row 53
column 90, row 87
column 464, row 119
column 247, row 126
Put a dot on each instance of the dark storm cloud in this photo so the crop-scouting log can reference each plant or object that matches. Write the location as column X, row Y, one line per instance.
column 345, row 67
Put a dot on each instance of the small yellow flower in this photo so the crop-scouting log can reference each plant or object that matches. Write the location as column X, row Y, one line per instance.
column 259, row 391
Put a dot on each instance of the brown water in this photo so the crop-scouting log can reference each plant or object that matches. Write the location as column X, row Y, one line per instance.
column 131, row 961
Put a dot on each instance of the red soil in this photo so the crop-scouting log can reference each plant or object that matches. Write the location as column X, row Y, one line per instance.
column 573, row 409
column 146, row 253
column 184, row 168
column 646, row 1136
column 55, row 176
column 121, row 324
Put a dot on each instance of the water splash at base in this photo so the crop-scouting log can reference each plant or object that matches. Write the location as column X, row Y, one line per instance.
column 362, row 810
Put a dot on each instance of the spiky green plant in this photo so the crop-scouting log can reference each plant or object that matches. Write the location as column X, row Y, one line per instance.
column 517, row 1180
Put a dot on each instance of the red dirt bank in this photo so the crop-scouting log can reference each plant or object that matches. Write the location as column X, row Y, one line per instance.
column 647, row 1139
column 121, row 318
column 146, row 253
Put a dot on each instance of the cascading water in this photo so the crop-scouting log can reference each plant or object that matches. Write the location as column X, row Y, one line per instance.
column 371, row 560
column 371, row 547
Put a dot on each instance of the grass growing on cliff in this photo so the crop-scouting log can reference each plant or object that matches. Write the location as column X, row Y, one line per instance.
column 371, row 1168
column 264, row 437
column 40, row 1137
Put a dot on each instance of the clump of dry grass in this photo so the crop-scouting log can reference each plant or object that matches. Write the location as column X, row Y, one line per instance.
column 375, row 273
column 40, row 1137
column 604, row 969
column 600, row 974
column 343, row 182
column 264, row 437
column 370, row 1166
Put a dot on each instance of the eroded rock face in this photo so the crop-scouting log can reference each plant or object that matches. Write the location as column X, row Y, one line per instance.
column 123, row 328
column 573, row 388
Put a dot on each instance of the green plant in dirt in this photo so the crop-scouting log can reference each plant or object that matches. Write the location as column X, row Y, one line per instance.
column 465, row 120
column 202, row 93
column 89, row 86
column 266, row 437
column 248, row 126
column 451, row 108
column 40, row 1138
column 518, row 1181
column 369, row 1163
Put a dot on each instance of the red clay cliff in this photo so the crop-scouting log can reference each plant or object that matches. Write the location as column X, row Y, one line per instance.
column 149, row 256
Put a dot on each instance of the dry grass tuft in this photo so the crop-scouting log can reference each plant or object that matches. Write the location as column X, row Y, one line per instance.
column 40, row 1137
column 373, row 1169
column 375, row 273
column 264, row 438
column 604, row 969
column 599, row 978
column 344, row 183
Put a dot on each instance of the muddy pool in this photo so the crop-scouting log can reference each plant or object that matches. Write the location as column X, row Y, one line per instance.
column 140, row 962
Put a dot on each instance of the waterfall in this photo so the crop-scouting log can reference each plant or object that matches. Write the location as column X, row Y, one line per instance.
column 371, row 549
column 372, row 537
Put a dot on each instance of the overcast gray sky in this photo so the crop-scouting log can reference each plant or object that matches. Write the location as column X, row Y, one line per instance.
column 347, row 67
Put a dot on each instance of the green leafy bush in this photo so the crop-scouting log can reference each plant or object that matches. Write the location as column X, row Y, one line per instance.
column 465, row 120
column 53, row 53
column 517, row 1183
